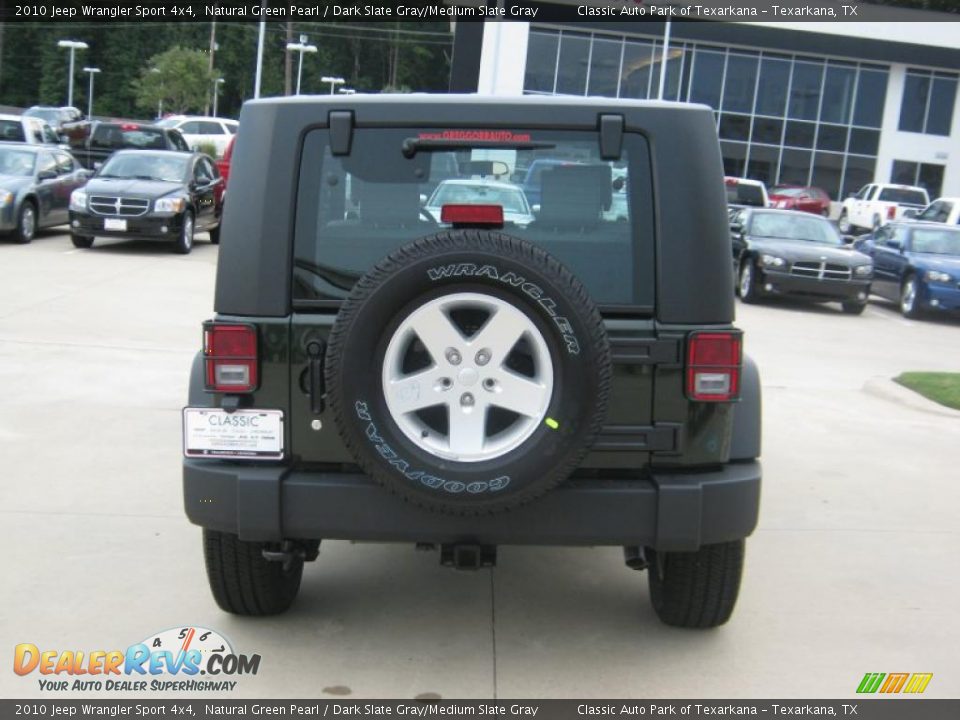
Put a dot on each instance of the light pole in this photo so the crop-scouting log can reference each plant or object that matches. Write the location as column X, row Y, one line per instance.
column 216, row 92
column 334, row 81
column 91, row 71
column 160, row 101
column 73, row 45
column 301, row 48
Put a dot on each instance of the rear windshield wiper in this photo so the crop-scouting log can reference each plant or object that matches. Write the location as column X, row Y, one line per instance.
column 411, row 146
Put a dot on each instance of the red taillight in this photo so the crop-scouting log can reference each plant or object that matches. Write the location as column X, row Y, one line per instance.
column 891, row 212
column 129, row 126
column 472, row 214
column 713, row 366
column 230, row 357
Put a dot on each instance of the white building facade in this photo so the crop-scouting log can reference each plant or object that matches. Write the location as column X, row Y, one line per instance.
column 834, row 105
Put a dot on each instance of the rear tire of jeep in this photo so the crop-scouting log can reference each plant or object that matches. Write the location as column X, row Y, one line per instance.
column 242, row 581
column 696, row 589
column 468, row 372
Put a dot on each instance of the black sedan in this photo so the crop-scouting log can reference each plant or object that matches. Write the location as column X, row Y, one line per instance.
column 149, row 195
column 35, row 186
column 785, row 252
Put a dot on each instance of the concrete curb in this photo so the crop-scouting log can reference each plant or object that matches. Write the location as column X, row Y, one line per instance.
column 887, row 389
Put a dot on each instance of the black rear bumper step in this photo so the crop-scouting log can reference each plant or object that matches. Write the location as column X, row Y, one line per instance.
column 675, row 511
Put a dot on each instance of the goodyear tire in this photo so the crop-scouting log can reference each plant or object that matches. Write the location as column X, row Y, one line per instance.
column 468, row 372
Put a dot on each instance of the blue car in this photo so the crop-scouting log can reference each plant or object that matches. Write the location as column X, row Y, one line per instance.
column 917, row 265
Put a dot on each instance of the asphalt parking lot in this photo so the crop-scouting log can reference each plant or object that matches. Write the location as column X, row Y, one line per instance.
column 852, row 570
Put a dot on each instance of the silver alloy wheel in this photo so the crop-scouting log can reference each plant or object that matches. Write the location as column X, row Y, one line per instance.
column 468, row 377
column 28, row 222
column 746, row 279
column 909, row 296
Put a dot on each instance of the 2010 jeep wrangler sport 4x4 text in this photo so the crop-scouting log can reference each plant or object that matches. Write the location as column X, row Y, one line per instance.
column 406, row 350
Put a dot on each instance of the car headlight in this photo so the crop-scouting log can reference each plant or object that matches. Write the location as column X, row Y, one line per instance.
column 773, row 261
column 78, row 200
column 863, row 270
column 937, row 276
column 169, row 205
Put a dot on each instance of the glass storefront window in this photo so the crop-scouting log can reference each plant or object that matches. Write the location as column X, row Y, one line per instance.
column 707, row 78
column 857, row 173
column 832, row 137
column 827, row 172
column 572, row 68
column 735, row 127
column 636, row 77
column 740, row 84
column 913, row 108
column 767, row 130
column 864, row 142
column 871, row 95
column 795, row 167
column 763, row 163
column 541, row 61
column 838, row 84
column 604, row 68
column 734, row 158
column 942, row 98
column 799, row 134
column 805, row 86
column 772, row 88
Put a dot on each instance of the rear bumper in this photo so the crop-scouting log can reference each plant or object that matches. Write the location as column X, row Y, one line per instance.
column 666, row 511
column 814, row 288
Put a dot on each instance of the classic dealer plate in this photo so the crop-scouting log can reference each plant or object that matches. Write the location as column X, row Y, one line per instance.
column 114, row 224
column 252, row 434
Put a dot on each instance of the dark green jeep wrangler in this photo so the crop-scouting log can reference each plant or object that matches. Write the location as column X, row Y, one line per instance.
column 406, row 349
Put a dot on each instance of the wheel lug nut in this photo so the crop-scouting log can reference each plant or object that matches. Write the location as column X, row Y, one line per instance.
column 453, row 357
column 489, row 383
column 466, row 400
column 483, row 357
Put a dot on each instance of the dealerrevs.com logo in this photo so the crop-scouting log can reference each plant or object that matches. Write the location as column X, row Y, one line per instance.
column 176, row 660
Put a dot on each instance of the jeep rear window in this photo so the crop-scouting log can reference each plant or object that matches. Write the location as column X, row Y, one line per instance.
column 594, row 215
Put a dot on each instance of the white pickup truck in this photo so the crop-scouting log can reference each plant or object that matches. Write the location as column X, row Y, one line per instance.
column 877, row 204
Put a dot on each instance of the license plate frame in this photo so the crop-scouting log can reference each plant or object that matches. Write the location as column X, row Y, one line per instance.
column 254, row 434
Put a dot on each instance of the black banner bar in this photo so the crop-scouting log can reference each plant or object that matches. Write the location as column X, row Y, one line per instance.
column 859, row 709
column 462, row 10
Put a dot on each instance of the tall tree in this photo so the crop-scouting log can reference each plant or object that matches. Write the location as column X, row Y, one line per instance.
column 180, row 78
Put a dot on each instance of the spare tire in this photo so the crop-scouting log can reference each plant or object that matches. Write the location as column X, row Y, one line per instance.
column 468, row 372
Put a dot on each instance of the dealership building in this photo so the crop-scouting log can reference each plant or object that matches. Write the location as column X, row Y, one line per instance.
column 831, row 104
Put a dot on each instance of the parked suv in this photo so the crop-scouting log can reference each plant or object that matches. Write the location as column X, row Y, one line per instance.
column 376, row 373
column 200, row 131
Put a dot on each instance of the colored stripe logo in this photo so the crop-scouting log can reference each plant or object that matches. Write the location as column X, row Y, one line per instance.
column 913, row 683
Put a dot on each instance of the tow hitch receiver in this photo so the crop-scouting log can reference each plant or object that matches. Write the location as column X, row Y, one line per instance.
column 468, row 556
column 289, row 550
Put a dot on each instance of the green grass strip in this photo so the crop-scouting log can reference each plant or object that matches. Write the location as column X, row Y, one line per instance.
column 941, row 387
